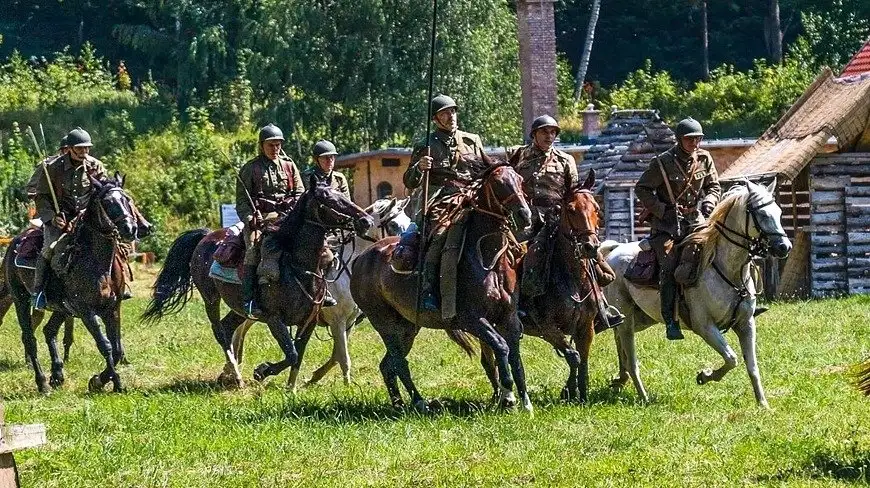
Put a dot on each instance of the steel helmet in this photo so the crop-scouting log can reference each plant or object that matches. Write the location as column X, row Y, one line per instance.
column 270, row 132
column 78, row 137
column 324, row 148
column 544, row 121
column 442, row 102
column 688, row 127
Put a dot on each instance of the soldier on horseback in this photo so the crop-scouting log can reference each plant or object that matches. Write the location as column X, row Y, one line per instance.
column 444, row 156
column 324, row 153
column 679, row 190
column 548, row 173
column 61, row 191
column 266, row 190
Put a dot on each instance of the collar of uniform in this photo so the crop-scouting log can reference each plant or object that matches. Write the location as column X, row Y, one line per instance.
column 681, row 154
column 318, row 171
column 269, row 161
column 443, row 136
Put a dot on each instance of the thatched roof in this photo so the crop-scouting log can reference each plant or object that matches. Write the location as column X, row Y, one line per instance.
column 622, row 152
column 831, row 106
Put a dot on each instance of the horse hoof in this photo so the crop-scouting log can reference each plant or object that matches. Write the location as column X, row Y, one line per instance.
column 56, row 381
column 527, row 406
column 43, row 387
column 564, row 395
column 124, row 361
column 260, row 372
column 398, row 403
column 703, row 377
column 421, row 406
column 508, row 401
column 617, row 383
column 94, row 384
column 117, row 388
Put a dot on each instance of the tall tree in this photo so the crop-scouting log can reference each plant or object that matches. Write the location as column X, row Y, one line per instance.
column 587, row 50
column 773, row 32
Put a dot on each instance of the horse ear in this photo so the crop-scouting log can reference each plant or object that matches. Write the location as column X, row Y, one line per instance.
column 312, row 181
column 771, row 188
column 590, row 180
column 120, row 178
column 95, row 182
column 401, row 204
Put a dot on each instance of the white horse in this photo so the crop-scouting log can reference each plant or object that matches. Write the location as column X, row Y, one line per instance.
column 746, row 223
column 390, row 220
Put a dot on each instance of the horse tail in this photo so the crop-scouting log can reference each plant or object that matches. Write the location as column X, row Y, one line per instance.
column 174, row 285
column 862, row 375
column 607, row 247
column 463, row 340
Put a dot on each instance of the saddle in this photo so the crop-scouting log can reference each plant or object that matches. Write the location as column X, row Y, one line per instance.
column 644, row 270
column 230, row 250
column 403, row 260
column 28, row 248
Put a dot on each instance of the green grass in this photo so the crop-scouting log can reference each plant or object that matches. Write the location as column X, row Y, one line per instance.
column 175, row 428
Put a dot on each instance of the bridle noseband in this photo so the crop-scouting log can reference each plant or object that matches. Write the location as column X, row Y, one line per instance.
column 757, row 246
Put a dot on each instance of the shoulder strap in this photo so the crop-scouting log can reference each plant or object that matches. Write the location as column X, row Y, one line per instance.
column 257, row 172
column 288, row 170
column 667, row 182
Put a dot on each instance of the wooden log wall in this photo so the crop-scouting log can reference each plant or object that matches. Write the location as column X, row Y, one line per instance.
column 840, row 224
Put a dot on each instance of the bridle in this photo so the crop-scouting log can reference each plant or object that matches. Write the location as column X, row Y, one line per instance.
column 385, row 216
column 756, row 246
column 496, row 207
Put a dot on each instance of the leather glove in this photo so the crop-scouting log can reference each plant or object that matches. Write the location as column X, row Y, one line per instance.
column 707, row 208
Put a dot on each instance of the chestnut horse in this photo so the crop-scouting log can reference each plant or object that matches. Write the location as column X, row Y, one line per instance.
column 91, row 288
column 486, row 282
column 564, row 316
column 294, row 300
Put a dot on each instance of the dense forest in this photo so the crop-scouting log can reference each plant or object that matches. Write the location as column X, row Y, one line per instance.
column 172, row 90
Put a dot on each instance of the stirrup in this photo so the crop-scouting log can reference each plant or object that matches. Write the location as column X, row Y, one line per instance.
column 328, row 301
column 252, row 311
column 38, row 301
column 429, row 302
column 673, row 332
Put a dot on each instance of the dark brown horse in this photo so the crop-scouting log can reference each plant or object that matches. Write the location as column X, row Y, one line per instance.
column 565, row 314
column 91, row 288
column 294, row 300
column 487, row 297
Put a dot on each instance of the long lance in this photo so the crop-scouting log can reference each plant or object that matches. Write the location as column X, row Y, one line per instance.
column 45, row 169
column 244, row 187
column 428, row 152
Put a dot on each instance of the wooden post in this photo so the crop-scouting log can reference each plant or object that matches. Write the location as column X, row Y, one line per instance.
column 15, row 438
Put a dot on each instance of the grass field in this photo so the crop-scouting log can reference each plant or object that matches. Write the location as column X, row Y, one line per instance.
column 174, row 427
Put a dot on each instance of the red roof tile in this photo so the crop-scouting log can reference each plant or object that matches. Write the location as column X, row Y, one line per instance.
column 860, row 63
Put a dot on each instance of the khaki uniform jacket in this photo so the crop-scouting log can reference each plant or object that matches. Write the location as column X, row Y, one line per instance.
column 71, row 181
column 269, row 184
column 693, row 179
column 336, row 180
column 546, row 175
column 447, row 151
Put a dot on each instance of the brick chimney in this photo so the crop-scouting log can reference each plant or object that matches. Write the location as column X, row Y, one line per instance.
column 537, row 36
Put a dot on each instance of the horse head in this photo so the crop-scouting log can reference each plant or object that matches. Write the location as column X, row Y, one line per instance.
column 332, row 209
column 581, row 216
column 765, row 214
column 115, row 208
column 389, row 216
column 503, row 193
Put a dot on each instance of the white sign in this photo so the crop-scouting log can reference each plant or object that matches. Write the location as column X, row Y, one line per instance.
column 228, row 214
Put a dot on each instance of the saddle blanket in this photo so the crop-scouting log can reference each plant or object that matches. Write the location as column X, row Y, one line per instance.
column 227, row 275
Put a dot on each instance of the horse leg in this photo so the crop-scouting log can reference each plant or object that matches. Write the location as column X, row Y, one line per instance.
column 282, row 335
column 401, row 345
column 68, row 327
column 22, row 310
column 303, row 335
column 618, row 381
column 92, row 323
column 487, row 360
column 513, row 336
column 714, row 338
column 746, row 334
column 113, row 331
column 50, row 331
column 556, row 338
column 223, row 330
column 487, row 334
column 584, row 345
column 629, row 350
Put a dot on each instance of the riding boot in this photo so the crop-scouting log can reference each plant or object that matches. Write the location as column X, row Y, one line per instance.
column 38, row 299
column 668, row 291
column 127, row 293
column 249, row 291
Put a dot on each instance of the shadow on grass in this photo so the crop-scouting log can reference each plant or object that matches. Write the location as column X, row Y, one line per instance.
column 351, row 410
column 189, row 386
column 828, row 465
column 7, row 364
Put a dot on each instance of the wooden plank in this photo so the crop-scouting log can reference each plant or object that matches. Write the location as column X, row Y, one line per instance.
column 827, row 208
column 827, row 197
column 18, row 437
column 829, row 285
column 858, row 169
column 829, row 239
column 8, row 472
column 833, row 182
column 828, row 218
column 858, row 237
column 833, row 265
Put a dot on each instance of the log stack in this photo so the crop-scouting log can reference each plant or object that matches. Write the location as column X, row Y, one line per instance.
column 15, row 438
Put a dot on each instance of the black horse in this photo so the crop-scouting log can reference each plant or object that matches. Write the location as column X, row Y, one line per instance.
column 90, row 288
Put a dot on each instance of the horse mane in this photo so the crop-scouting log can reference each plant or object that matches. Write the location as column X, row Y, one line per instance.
column 482, row 166
column 289, row 226
column 708, row 237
